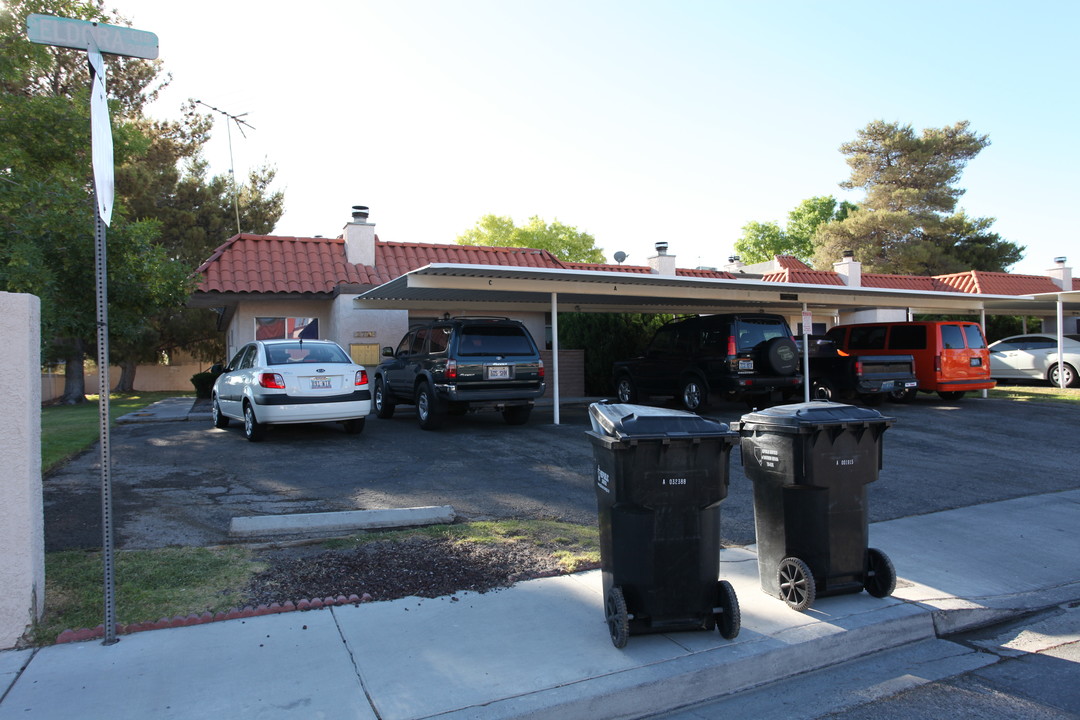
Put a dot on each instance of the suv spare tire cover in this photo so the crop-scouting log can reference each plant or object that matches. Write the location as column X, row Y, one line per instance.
column 782, row 356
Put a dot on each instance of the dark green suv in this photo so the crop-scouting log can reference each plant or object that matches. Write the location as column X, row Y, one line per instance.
column 745, row 356
column 456, row 365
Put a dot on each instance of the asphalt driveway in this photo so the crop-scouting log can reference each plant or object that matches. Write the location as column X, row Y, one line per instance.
column 182, row 482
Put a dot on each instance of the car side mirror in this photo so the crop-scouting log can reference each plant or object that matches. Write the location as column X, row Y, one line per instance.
column 388, row 351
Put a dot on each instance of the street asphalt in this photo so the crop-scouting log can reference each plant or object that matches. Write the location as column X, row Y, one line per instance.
column 1005, row 547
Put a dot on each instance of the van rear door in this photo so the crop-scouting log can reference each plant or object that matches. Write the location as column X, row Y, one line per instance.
column 964, row 356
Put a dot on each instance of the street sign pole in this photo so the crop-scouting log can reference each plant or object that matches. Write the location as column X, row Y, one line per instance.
column 95, row 39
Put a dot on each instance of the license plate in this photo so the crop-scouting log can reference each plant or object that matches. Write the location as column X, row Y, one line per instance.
column 912, row 384
column 498, row 372
column 887, row 385
column 320, row 383
column 746, row 364
column 976, row 362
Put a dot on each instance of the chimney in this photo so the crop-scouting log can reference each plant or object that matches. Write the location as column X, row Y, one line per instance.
column 849, row 269
column 1060, row 274
column 359, row 237
column 734, row 264
column 662, row 263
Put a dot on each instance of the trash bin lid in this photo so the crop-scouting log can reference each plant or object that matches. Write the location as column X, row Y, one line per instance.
column 810, row 415
column 642, row 422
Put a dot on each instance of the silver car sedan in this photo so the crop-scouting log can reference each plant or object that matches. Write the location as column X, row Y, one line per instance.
column 276, row 382
column 1035, row 357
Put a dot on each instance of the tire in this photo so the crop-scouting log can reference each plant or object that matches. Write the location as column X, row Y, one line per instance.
column 728, row 619
column 429, row 411
column 694, row 394
column 1071, row 378
column 796, row 582
column 782, row 356
column 626, row 390
column 354, row 426
column 517, row 414
column 220, row 421
column 905, row 396
column 384, row 403
column 951, row 395
column 254, row 430
column 880, row 580
column 618, row 620
column 821, row 390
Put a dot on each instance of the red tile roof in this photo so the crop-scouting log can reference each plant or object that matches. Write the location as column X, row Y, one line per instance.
column 803, row 275
column 998, row 283
column 905, row 282
column 789, row 262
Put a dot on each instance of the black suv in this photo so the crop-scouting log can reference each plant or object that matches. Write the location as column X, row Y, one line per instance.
column 748, row 357
column 452, row 366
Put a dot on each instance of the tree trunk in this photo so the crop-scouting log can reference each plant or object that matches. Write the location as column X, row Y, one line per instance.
column 126, row 383
column 74, row 379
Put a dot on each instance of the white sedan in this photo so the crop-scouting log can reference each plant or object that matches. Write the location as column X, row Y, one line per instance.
column 1035, row 357
column 276, row 382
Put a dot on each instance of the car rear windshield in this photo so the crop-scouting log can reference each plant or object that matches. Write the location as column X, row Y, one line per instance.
column 755, row 331
column 974, row 337
column 494, row 340
column 292, row 353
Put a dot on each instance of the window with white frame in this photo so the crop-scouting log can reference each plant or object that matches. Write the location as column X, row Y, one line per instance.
column 285, row 328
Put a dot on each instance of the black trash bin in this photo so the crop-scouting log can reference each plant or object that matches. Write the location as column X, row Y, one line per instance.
column 660, row 477
column 810, row 464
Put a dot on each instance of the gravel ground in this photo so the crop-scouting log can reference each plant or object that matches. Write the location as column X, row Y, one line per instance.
column 387, row 570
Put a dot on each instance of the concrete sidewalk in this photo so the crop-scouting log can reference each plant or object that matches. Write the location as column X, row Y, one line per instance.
column 541, row 649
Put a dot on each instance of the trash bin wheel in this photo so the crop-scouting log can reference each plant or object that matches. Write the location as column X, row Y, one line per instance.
column 727, row 615
column 618, row 620
column 796, row 583
column 880, row 580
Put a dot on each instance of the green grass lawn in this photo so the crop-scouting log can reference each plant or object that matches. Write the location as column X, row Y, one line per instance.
column 67, row 430
column 1036, row 393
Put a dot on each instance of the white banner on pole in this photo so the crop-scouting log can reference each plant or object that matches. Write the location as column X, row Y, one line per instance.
column 101, row 140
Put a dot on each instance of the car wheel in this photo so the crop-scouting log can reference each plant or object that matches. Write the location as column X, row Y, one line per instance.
column 354, row 426
column 253, row 429
column 951, row 395
column 625, row 390
column 220, row 421
column 821, row 390
column 517, row 415
column 694, row 395
column 907, row 395
column 384, row 404
column 1071, row 379
column 428, row 410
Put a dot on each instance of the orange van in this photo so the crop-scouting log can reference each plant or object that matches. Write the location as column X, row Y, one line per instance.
column 951, row 357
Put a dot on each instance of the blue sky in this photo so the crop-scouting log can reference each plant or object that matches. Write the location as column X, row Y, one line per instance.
column 634, row 121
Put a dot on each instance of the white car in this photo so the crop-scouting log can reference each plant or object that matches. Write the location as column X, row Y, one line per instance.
column 277, row 382
column 1035, row 357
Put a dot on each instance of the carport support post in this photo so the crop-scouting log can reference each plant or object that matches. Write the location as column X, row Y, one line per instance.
column 805, row 360
column 982, row 323
column 1061, row 340
column 555, row 351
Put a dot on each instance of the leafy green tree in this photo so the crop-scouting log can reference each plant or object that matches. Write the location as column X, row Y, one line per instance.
column 46, row 211
column 605, row 338
column 761, row 242
column 908, row 221
column 563, row 241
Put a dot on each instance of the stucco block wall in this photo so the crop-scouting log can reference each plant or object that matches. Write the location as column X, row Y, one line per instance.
column 22, row 522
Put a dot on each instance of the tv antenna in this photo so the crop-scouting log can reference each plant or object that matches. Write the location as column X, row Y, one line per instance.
column 240, row 123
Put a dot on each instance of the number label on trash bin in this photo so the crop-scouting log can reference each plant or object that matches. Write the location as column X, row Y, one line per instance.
column 673, row 481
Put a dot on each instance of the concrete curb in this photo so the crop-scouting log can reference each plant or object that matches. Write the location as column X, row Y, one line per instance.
column 343, row 521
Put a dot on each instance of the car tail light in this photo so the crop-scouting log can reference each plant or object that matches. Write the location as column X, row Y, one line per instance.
column 730, row 345
column 858, row 368
column 451, row 370
column 361, row 377
column 540, row 368
column 937, row 363
column 272, row 381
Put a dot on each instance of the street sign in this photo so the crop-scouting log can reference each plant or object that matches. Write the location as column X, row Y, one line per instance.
column 71, row 33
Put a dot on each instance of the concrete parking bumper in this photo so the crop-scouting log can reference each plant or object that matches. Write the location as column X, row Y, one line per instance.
column 541, row 649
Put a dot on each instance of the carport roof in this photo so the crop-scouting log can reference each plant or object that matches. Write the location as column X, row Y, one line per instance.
column 440, row 285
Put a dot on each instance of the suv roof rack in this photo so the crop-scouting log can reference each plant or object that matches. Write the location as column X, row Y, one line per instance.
column 479, row 317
